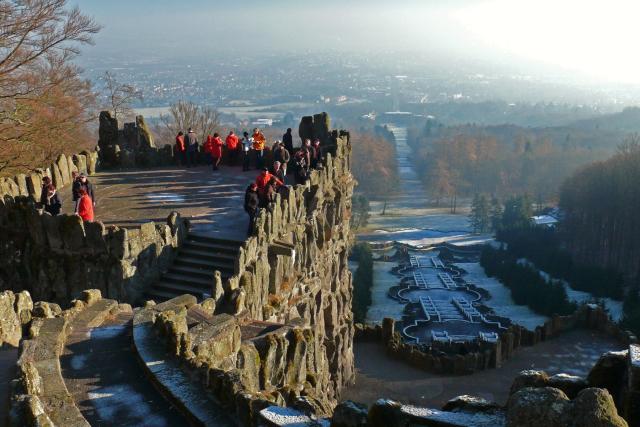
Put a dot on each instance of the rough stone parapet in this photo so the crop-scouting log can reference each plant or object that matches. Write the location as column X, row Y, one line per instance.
column 294, row 266
column 39, row 394
column 56, row 258
column 129, row 147
column 30, row 184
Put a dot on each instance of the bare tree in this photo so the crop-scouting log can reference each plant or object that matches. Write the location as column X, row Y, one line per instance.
column 119, row 96
column 185, row 114
column 43, row 101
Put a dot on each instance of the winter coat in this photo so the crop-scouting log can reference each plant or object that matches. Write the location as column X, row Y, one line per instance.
column 251, row 201
column 287, row 139
column 88, row 187
column 53, row 204
column 180, row 143
column 232, row 142
column 258, row 141
column 216, row 148
column 85, row 208
column 263, row 180
column 282, row 155
column 190, row 141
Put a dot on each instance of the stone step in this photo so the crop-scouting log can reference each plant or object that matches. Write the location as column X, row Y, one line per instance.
column 208, row 256
column 225, row 268
column 201, row 273
column 180, row 288
column 214, row 240
column 222, row 250
column 187, row 280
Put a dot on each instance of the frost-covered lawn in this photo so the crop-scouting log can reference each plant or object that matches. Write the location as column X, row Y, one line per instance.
column 381, row 305
column 501, row 301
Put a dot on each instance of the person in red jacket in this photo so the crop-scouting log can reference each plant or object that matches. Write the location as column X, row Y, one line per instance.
column 85, row 206
column 216, row 151
column 262, row 181
column 207, row 147
column 180, row 150
column 233, row 148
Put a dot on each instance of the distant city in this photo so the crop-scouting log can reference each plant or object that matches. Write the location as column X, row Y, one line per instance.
column 352, row 86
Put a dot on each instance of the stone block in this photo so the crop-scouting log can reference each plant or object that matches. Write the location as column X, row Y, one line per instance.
column 595, row 407
column 91, row 296
column 21, row 181
column 80, row 161
column 10, row 325
column 72, row 233
column 56, row 176
column 533, row 407
column 63, row 167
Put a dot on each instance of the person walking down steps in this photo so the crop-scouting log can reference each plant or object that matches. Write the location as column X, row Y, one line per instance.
column 251, row 204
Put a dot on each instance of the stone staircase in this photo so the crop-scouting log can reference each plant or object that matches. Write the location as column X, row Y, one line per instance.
column 193, row 269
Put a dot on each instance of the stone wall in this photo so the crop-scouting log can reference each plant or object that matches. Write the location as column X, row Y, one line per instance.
column 56, row 258
column 294, row 267
column 243, row 371
column 30, row 184
column 129, row 147
column 466, row 358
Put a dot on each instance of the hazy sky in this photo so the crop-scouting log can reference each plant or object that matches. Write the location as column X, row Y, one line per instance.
column 593, row 37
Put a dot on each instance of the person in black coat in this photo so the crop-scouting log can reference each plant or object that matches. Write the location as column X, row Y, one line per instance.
column 287, row 140
column 251, row 204
column 82, row 183
column 51, row 200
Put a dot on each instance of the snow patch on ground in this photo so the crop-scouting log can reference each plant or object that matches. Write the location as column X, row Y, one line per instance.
column 79, row 361
column 615, row 307
column 111, row 401
column 381, row 304
column 107, row 332
column 501, row 301
column 165, row 197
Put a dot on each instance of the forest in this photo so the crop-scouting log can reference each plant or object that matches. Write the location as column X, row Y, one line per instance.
column 373, row 162
column 601, row 203
column 464, row 160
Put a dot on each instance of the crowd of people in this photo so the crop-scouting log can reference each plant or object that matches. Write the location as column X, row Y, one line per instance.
column 270, row 182
column 83, row 196
column 288, row 165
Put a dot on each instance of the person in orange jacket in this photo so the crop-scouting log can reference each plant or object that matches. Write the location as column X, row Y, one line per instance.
column 85, row 206
column 263, row 180
column 216, row 151
column 233, row 148
column 258, row 146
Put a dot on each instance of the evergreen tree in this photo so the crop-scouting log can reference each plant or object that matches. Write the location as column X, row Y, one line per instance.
column 517, row 212
column 496, row 213
column 480, row 216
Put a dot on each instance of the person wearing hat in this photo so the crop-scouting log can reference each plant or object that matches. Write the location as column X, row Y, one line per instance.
column 82, row 183
column 191, row 145
column 282, row 155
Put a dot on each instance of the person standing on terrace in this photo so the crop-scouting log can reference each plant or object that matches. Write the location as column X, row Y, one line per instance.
column 247, row 144
column 232, row 148
column 180, row 151
column 85, row 206
column 259, row 142
column 191, row 145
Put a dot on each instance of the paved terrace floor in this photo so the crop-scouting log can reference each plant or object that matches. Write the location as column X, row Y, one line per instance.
column 213, row 201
